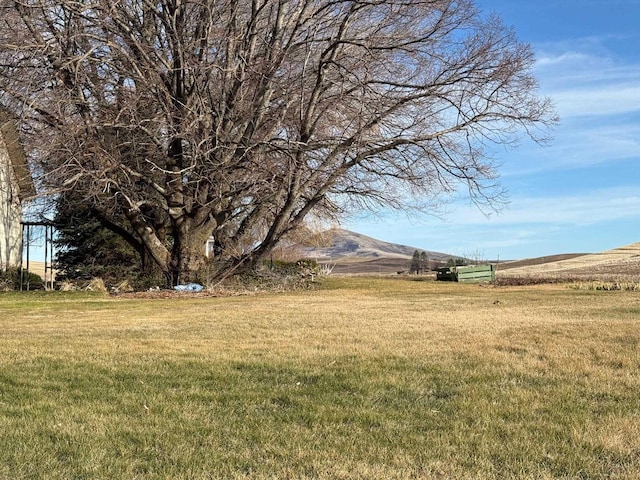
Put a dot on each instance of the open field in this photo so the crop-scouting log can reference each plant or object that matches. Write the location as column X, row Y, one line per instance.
column 38, row 268
column 362, row 378
column 531, row 262
column 621, row 263
column 370, row 266
column 354, row 254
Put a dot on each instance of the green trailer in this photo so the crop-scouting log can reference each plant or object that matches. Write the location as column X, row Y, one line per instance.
column 473, row 273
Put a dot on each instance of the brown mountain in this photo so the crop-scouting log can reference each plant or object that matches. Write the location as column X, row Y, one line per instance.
column 354, row 253
column 351, row 252
column 344, row 243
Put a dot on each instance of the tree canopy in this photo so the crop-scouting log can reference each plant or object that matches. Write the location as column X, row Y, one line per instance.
column 178, row 120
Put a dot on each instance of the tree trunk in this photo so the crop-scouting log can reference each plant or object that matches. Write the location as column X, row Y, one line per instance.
column 243, row 117
column 188, row 255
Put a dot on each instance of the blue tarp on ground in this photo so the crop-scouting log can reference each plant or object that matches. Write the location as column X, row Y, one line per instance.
column 189, row 287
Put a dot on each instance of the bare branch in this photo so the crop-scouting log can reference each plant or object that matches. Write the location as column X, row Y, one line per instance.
column 239, row 118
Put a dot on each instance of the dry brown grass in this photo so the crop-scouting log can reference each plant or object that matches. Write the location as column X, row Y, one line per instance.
column 369, row 317
column 612, row 265
column 364, row 378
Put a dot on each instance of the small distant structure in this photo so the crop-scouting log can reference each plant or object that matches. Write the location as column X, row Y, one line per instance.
column 16, row 186
column 467, row 274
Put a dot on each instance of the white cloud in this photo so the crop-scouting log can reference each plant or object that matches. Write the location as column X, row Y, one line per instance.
column 559, row 60
column 532, row 227
column 583, row 146
column 525, row 218
column 605, row 99
column 577, row 144
column 597, row 96
column 590, row 208
column 585, row 78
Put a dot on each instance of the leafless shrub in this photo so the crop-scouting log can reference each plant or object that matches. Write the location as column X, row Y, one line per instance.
column 95, row 285
column 123, row 287
column 607, row 286
column 67, row 286
column 325, row 269
column 514, row 281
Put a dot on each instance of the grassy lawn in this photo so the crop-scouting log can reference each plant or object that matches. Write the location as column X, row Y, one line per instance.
column 363, row 378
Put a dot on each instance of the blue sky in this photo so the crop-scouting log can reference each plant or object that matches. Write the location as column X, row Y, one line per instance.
column 581, row 193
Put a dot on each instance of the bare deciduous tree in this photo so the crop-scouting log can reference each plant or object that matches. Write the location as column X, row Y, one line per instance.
column 238, row 118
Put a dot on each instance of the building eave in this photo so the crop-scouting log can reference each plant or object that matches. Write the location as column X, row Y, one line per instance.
column 17, row 157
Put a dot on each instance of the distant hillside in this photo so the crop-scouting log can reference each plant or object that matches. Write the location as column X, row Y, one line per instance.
column 528, row 262
column 622, row 262
column 353, row 253
column 345, row 244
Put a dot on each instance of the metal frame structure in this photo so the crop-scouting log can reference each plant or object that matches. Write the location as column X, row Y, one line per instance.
column 49, row 277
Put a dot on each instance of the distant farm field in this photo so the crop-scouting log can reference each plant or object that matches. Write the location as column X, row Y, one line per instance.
column 618, row 264
column 360, row 379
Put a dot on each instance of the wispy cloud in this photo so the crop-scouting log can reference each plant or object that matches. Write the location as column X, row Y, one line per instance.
column 597, row 96
column 525, row 218
column 614, row 98
column 586, row 79
column 605, row 205
column 576, row 145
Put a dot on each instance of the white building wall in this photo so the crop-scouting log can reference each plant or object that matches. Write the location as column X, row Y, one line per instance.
column 10, row 213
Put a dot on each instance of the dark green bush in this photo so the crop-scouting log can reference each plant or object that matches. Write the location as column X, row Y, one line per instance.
column 10, row 280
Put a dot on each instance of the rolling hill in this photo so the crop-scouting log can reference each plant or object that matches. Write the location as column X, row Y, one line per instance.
column 618, row 263
column 353, row 253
